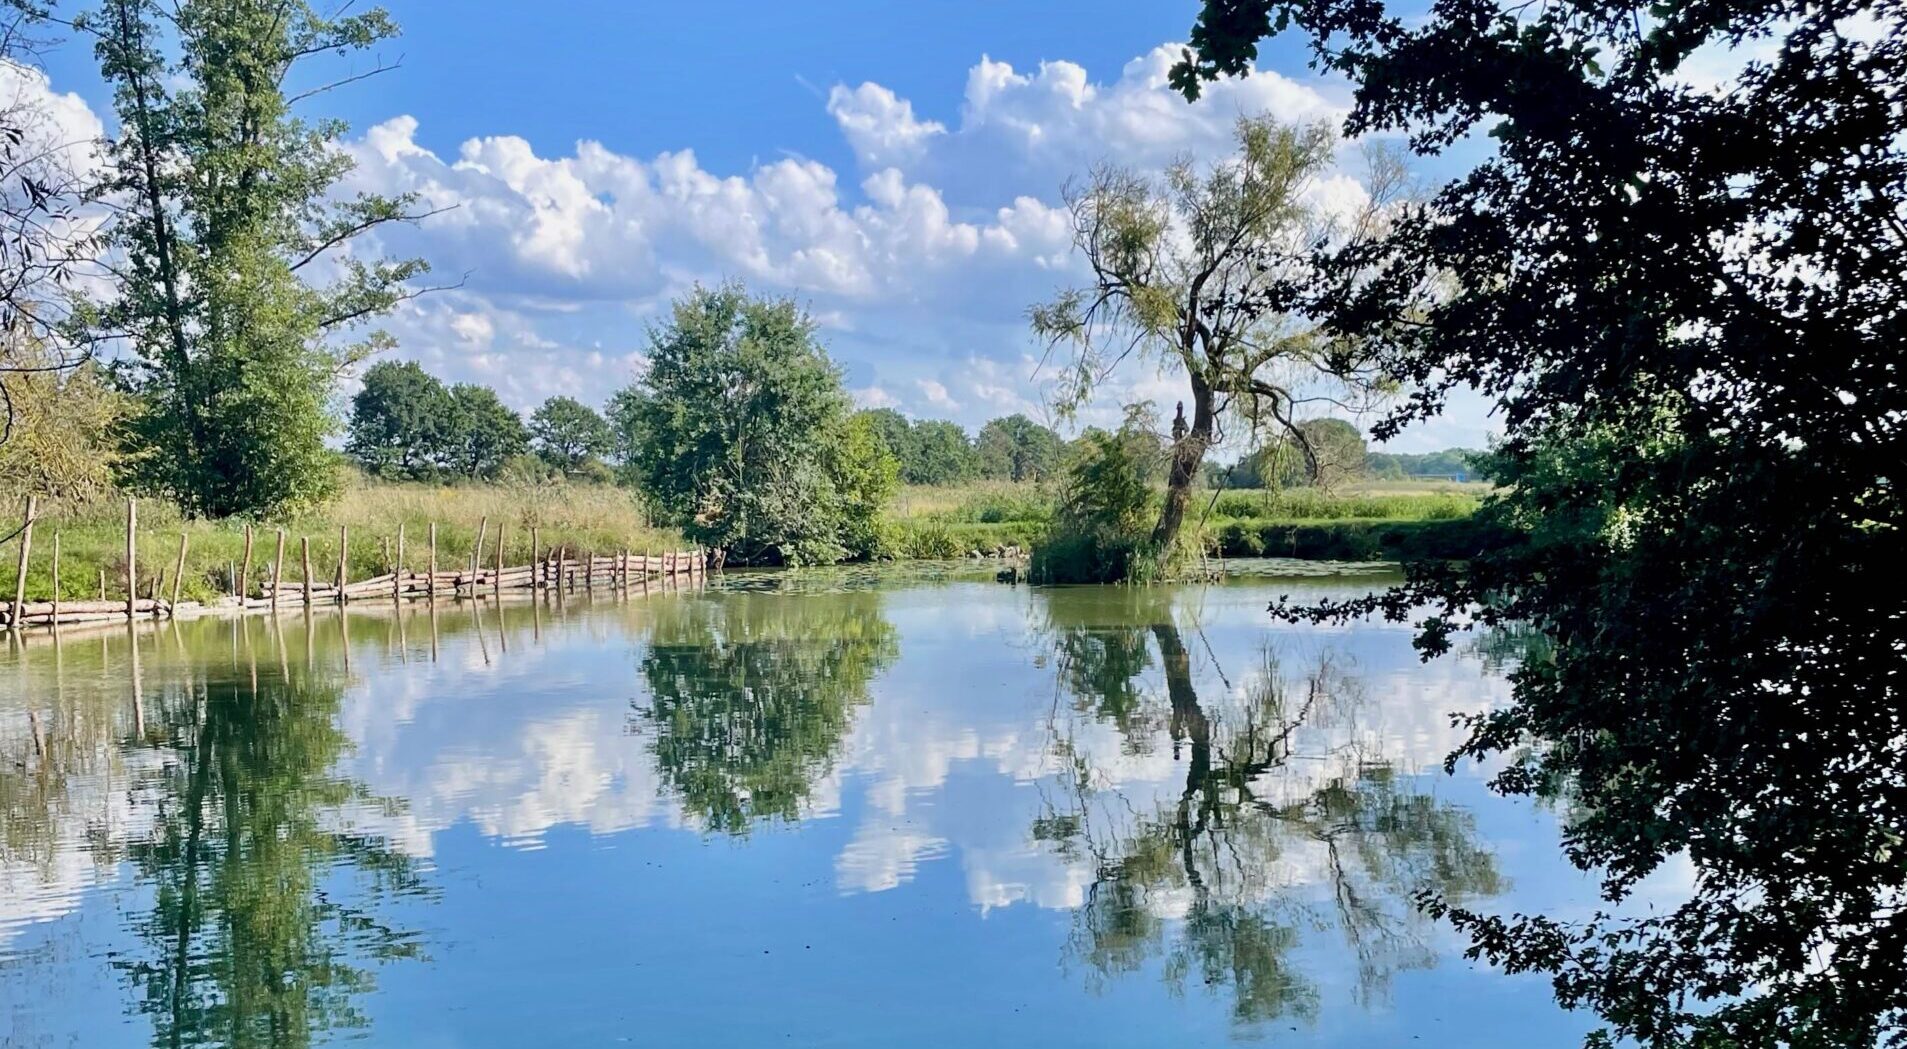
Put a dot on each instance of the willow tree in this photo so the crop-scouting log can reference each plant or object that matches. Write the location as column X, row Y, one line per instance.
column 237, row 275
column 1195, row 271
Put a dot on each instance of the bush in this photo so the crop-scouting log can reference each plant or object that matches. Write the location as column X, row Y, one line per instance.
column 1100, row 529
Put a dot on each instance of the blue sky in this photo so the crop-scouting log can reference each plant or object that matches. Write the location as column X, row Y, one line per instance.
column 896, row 167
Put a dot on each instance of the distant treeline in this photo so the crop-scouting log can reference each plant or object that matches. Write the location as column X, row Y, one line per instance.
column 1327, row 452
column 407, row 424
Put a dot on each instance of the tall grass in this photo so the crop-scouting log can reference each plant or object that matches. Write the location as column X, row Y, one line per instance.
column 583, row 517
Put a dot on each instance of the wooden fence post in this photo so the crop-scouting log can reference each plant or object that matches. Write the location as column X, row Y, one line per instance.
column 496, row 576
column 102, row 584
column 432, row 589
column 536, row 568
column 19, row 572
column 245, row 572
column 397, row 567
column 132, row 546
column 304, row 554
column 178, row 574
column 476, row 552
column 278, row 570
column 56, row 578
column 344, row 560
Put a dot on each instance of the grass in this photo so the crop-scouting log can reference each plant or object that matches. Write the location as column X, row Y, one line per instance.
column 1371, row 521
column 586, row 517
column 1381, row 521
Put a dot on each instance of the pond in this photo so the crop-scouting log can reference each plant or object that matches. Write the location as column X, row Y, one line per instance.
column 846, row 808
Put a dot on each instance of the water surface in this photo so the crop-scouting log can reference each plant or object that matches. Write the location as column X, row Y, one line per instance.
column 850, row 808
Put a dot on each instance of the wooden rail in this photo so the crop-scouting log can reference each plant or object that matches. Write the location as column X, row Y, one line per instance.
column 557, row 570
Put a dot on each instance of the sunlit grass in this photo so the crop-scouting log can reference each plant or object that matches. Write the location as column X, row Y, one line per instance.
column 584, row 517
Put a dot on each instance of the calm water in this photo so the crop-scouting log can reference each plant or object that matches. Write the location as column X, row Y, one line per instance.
column 832, row 809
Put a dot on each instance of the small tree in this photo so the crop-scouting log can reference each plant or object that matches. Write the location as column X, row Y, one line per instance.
column 1194, row 271
column 401, row 421
column 743, row 437
column 1098, row 528
column 1015, row 448
column 569, row 433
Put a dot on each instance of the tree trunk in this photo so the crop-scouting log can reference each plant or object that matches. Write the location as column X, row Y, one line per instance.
column 1188, row 453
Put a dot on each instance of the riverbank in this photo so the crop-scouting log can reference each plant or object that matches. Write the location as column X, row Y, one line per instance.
column 363, row 526
column 1390, row 521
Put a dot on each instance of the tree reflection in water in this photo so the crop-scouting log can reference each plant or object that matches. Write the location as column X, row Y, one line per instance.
column 236, row 820
column 1285, row 824
column 750, row 696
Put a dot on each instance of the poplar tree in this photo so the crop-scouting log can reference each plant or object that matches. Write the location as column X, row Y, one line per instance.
column 241, row 296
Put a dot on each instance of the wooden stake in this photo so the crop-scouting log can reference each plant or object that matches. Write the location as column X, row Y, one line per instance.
column 536, row 564
column 56, row 579
column 476, row 552
column 344, row 560
column 277, row 569
column 397, row 566
column 132, row 577
column 245, row 572
column 102, row 584
column 26, row 545
column 433, row 568
column 178, row 571
column 496, row 579
column 304, row 550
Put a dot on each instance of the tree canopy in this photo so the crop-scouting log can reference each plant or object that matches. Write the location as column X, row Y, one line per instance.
column 1189, row 271
column 1686, row 302
column 1015, row 448
column 569, row 433
column 226, row 211
column 742, row 434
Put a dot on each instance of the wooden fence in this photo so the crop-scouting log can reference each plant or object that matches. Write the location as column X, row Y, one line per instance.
column 556, row 570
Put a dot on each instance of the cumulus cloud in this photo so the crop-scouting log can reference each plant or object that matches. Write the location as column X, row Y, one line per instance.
column 918, row 266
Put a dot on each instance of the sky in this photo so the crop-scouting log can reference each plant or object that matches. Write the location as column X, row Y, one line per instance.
column 896, row 168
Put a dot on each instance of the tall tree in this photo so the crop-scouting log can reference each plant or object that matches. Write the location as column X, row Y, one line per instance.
column 401, row 421
column 1189, row 270
column 1687, row 300
column 235, row 290
column 569, row 433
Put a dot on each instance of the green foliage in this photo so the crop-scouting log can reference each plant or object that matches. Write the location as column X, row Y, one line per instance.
column 1250, row 797
column 401, row 420
column 569, row 433
column 1686, row 303
column 1161, row 250
column 1099, row 532
column 740, row 433
column 484, row 433
column 406, row 425
column 931, row 451
column 1015, row 448
column 225, row 198
column 243, row 853
column 63, row 423
column 750, row 697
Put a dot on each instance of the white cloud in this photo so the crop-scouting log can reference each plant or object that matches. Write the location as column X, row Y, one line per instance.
column 918, row 267
column 880, row 125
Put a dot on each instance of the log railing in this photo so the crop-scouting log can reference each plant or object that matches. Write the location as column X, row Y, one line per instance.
column 557, row 570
